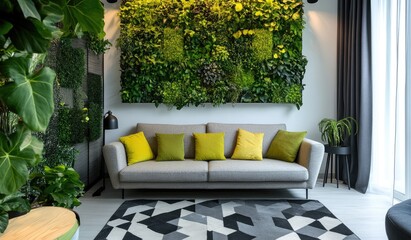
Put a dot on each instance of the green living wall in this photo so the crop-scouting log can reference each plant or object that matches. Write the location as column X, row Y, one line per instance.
column 189, row 52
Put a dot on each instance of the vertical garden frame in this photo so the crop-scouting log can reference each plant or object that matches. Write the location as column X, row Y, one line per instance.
column 191, row 52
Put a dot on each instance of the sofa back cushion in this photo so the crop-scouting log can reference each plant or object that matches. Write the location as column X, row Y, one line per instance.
column 230, row 130
column 150, row 131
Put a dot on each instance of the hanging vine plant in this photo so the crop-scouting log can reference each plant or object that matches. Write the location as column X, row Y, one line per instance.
column 185, row 53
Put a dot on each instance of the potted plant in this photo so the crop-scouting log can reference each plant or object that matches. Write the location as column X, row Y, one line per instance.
column 335, row 132
column 57, row 186
column 27, row 29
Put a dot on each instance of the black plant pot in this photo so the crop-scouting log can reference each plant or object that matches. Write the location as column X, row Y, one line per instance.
column 338, row 150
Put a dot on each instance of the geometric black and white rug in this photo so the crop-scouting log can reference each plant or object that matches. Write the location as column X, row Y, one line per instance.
column 224, row 219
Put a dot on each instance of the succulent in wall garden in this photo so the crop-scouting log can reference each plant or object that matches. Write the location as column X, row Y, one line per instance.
column 211, row 73
column 220, row 53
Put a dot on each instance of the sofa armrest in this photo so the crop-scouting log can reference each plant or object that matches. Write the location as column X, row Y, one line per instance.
column 311, row 156
column 116, row 159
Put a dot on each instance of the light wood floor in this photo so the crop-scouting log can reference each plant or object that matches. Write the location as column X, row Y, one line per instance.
column 363, row 213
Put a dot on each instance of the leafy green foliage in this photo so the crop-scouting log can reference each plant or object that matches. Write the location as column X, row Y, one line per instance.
column 97, row 45
column 242, row 78
column 58, row 186
column 64, row 125
column 173, row 45
column 95, row 108
column 8, row 120
column 95, row 123
column 262, row 45
column 27, row 29
column 335, row 132
column 71, row 125
column 224, row 93
column 70, row 66
column 185, row 53
column 82, row 16
column 94, row 88
column 220, row 53
column 56, row 150
column 12, row 202
column 211, row 73
column 36, row 88
column 78, row 125
column 31, row 27
column 17, row 151
column 180, row 94
column 63, row 154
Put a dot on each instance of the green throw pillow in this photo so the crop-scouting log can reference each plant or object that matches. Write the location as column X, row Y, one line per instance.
column 285, row 145
column 209, row 146
column 170, row 146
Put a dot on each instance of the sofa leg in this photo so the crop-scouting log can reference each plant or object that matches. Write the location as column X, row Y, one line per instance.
column 122, row 193
column 306, row 193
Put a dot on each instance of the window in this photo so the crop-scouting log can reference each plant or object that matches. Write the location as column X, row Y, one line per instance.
column 390, row 167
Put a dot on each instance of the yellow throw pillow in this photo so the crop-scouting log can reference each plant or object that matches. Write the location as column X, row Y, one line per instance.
column 137, row 148
column 285, row 145
column 170, row 146
column 249, row 146
column 209, row 146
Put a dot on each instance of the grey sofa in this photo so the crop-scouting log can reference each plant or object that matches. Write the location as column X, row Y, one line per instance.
column 228, row 174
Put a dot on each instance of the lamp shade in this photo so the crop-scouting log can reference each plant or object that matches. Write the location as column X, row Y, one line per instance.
column 110, row 121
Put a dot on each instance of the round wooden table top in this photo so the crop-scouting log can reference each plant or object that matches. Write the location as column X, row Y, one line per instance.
column 41, row 223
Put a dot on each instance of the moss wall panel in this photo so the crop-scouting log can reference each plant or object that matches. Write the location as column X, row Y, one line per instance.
column 183, row 53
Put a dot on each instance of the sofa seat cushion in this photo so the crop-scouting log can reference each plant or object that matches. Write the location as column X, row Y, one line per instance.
column 256, row 171
column 166, row 171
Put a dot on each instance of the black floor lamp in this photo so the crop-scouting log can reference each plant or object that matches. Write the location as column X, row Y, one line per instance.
column 109, row 122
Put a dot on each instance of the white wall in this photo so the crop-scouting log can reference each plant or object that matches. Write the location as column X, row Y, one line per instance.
column 319, row 100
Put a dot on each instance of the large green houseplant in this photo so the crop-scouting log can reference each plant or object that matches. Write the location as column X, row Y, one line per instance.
column 58, row 186
column 27, row 29
column 335, row 132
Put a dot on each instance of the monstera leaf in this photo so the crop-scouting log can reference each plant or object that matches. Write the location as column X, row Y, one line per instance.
column 5, row 26
column 30, row 95
column 17, row 151
column 12, row 202
column 79, row 18
column 28, row 34
column 53, row 14
column 29, row 9
column 30, row 26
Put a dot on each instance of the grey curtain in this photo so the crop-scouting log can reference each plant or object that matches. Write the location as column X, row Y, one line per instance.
column 354, row 87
